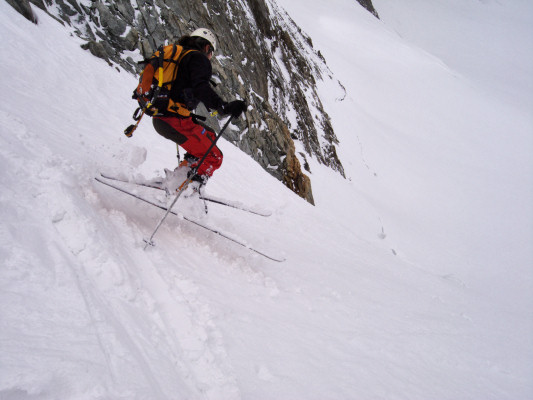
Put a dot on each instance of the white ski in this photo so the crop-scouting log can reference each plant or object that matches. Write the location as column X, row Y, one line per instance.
column 188, row 219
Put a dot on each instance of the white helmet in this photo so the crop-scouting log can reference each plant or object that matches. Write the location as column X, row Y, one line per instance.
column 207, row 35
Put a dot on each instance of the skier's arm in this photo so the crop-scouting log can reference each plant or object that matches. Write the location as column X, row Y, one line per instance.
column 201, row 71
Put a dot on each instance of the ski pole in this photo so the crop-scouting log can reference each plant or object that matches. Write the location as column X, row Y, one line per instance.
column 185, row 183
column 130, row 129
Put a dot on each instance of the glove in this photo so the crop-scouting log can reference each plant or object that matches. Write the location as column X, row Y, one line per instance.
column 235, row 108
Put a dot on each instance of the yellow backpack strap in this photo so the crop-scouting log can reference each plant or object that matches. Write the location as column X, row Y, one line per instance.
column 159, row 72
column 161, row 61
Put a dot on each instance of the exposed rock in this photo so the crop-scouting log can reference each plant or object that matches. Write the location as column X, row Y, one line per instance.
column 24, row 8
column 369, row 6
column 96, row 48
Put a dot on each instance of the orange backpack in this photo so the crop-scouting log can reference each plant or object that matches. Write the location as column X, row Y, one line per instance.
column 153, row 91
column 155, row 83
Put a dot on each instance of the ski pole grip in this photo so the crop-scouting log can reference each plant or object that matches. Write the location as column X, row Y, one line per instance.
column 129, row 130
column 137, row 115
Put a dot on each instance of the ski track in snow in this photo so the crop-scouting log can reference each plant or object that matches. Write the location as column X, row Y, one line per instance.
column 187, row 332
column 110, row 295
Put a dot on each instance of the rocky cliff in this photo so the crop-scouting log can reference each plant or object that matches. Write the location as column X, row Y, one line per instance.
column 263, row 57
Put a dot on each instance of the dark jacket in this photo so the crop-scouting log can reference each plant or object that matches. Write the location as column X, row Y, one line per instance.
column 192, row 83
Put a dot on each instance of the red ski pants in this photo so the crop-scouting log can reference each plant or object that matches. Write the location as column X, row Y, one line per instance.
column 194, row 138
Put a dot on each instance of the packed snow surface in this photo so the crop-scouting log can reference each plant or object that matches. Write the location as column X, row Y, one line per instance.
column 410, row 279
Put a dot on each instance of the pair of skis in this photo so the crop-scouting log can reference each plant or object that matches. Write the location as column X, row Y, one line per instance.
column 111, row 181
column 158, row 184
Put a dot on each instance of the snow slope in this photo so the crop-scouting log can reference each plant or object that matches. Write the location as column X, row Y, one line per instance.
column 488, row 41
column 411, row 279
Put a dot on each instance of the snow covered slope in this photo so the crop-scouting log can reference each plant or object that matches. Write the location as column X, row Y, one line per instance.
column 488, row 41
column 411, row 279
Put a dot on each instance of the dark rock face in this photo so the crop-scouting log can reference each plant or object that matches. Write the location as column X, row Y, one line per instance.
column 263, row 57
column 24, row 8
column 369, row 6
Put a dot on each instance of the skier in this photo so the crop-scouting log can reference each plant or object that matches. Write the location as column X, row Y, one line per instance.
column 192, row 86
